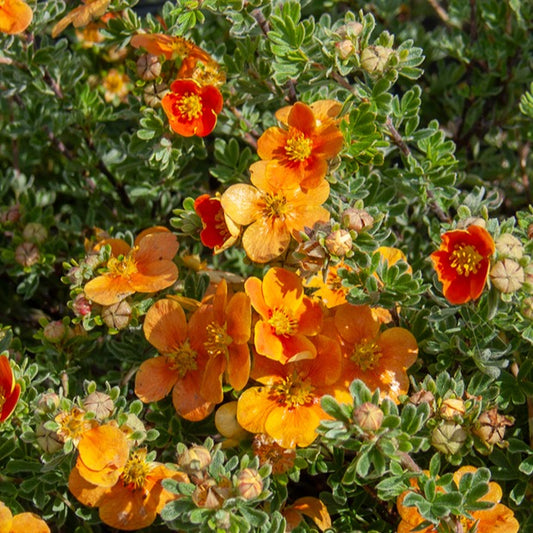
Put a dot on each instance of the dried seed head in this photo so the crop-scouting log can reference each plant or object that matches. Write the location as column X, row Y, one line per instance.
column 509, row 246
column 55, row 331
column 48, row 403
column 339, row 242
column 527, row 307
column 448, row 437
column 47, row 439
column 154, row 93
column 490, row 426
column 34, row 232
column 374, row 59
column 249, row 483
column 507, row 275
column 27, row 254
column 148, row 67
column 118, row 315
column 423, row 396
column 12, row 214
column 368, row 417
column 100, row 404
column 356, row 219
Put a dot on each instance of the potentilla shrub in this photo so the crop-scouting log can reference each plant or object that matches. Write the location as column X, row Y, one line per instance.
column 266, row 266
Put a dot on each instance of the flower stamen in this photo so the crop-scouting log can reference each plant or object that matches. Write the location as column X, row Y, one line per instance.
column 217, row 340
column 293, row 391
column 465, row 259
column 366, row 355
column 282, row 322
column 136, row 470
column 183, row 359
column 189, row 106
column 298, row 147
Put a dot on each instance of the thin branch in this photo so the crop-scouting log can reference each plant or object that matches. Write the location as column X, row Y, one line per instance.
column 249, row 136
column 441, row 12
column 397, row 138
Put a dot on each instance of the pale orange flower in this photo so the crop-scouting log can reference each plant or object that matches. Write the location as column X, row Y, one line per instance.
column 9, row 389
column 297, row 155
column 222, row 330
column 379, row 358
column 179, row 368
column 287, row 317
column 273, row 214
column 310, row 507
column 135, row 498
column 80, row 16
column 147, row 267
column 21, row 523
column 15, row 16
column 330, row 291
column 497, row 519
column 116, row 86
column 286, row 405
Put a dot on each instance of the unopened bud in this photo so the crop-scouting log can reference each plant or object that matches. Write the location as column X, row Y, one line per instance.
column 374, row 59
column 472, row 221
column 81, row 306
column 356, row 219
column 345, row 48
column 34, row 232
column 423, row 396
column 351, row 29
column 48, row 439
column 509, row 246
column 48, row 403
column 148, row 67
column 507, row 275
column 227, row 424
column 249, row 483
column 100, row 404
column 448, row 437
column 154, row 93
column 368, row 417
column 490, row 426
column 27, row 254
column 194, row 459
column 339, row 242
column 452, row 408
column 55, row 331
column 118, row 315
column 12, row 214
column 527, row 307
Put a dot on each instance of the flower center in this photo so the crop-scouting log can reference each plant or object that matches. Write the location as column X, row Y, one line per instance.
column 189, row 106
column 282, row 322
column 465, row 259
column 217, row 340
column 275, row 205
column 298, row 147
column 366, row 355
column 123, row 265
column 293, row 391
column 136, row 470
column 183, row 359
column 72, row 424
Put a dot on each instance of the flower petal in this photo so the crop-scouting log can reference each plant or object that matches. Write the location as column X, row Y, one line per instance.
column 242, row 203
column 154, row 379
column 165, row 325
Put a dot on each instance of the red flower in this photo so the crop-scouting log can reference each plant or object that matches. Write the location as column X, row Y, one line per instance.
column 9, row 390
column 219, row 231
column 462, row 263
column 192, row 109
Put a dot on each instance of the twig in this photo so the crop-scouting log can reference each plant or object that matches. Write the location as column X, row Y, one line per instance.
column 249, row 136
column 397, row 138
column 442, row 13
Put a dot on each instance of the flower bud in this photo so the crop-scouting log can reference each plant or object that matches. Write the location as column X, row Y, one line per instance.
column 452, row 408
column 48, row 439
column 472, row 221
column 227, row 424
column 374, row 59
column 27, row 254
column 118, row 315
column 509, row 246
column 423, row 396
column 448, row 437
column 527, row 307
column 81, row 306
column 339, row 242
column 34, row 232
column 148, row 67
column 100, row 404
column 211, row 495
column 55, row 331
column 153, row 94
column 368, row 417
column 356, row 219
column 351, row 29
column 12, row 214
column 490, row 426
column 507, row 275
column 194, row 459
column 249, row 483
column 47, row 403
column 345, row 48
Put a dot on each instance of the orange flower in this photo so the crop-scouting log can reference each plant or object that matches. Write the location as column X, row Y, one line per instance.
column 297, row 155
column 179, row 369
column 331, row 292
column 80, row 16
column 287, row 404
column 379, row 358
column 220, row 232
column 222, row 331
column 462, row 263
column 15, row 16
column 192, row 109
column 21, row 523
column 307, row 506
column 497, row 519
column 171, row 47
column 136, row 497
column 9, row 390
column 147, row 267
column 287, row 316
column 273, row 214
